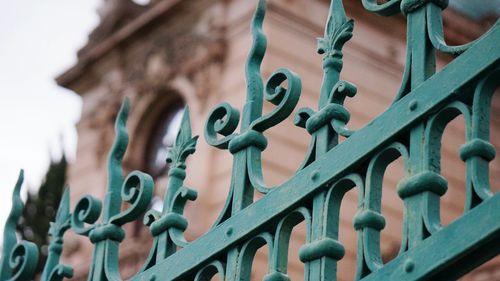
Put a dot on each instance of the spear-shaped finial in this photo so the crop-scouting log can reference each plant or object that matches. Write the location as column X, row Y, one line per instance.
column 9, row 231
column 62, row 220
column 185, row 143
column 53, row 270
column 338, row 31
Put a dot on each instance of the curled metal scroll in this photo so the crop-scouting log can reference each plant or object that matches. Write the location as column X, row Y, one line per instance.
column 19, row 258
column 223, row 119
column 87, row 211
column 418, row 143
column 137, row 190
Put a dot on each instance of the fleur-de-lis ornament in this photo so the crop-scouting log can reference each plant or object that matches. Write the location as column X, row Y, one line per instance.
column 53, row 271
column 168, row 226
column 329, row 121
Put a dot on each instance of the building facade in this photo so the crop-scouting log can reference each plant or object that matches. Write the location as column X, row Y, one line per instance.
column 172, row 53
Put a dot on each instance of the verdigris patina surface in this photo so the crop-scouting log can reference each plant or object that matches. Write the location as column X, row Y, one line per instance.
column 411, row 129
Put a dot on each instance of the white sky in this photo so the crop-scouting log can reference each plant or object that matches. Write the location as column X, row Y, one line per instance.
column 38, row 41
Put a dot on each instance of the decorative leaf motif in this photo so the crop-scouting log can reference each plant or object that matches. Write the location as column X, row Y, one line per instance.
column 53, row 270
column 313, row 195
column 185, row 143
column 331, row 45
column 62, row 221
column 168, row 226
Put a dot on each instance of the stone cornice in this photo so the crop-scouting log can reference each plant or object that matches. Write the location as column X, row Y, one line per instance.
column 459, row 29
column 100, row 49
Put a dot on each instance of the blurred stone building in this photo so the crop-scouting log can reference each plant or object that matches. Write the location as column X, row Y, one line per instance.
column 171, row 53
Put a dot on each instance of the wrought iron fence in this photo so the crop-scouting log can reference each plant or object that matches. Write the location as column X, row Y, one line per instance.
column 411, row 129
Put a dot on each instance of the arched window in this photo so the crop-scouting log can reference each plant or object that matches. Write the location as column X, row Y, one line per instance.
column 164, row 132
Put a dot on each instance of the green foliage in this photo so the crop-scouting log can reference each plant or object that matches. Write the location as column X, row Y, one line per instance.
column 40, row 208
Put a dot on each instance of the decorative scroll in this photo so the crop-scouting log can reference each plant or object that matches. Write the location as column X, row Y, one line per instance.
column 248, row 145
column 410, row 129
column 19, row 258
column 136, row 190
column 168, row 226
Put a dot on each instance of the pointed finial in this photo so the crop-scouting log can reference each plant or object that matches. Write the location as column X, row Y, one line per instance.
column 115, row 157
column 338, row 30
column 185, row 143
column 255, row 88
column 336, row 16
column 17, row 204
column 63, row 212
column 185, row 128
column 16, row 194
column 9, row 231
column 121, row 138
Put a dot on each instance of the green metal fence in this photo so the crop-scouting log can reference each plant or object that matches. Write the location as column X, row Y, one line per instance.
column 411, row 129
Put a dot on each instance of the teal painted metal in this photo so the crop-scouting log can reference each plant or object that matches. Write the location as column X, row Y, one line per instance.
column 411, row 129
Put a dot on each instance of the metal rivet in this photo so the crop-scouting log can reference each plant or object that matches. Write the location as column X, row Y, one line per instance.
column 409, row 265
column 413, row 105
column 315, row 175
column 229, row 231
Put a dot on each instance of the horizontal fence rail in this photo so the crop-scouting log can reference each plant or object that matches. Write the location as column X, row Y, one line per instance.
column 411, row 129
